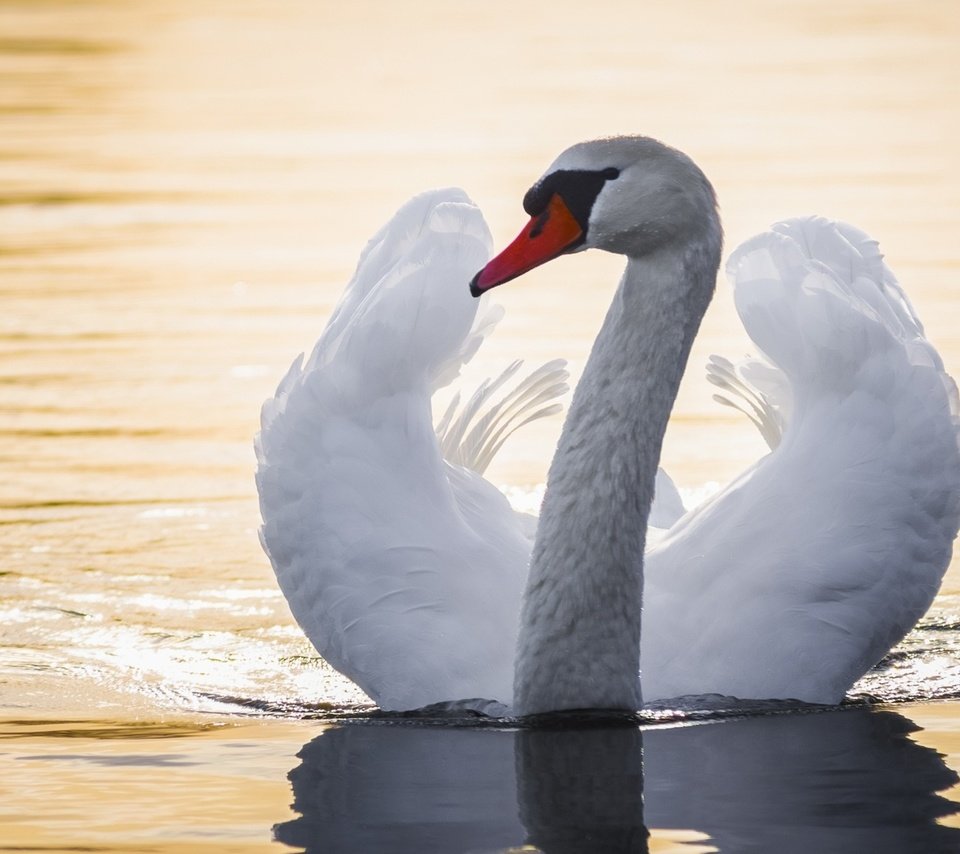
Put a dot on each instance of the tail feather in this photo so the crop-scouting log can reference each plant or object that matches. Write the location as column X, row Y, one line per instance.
column 472, row 439
column 755, row 388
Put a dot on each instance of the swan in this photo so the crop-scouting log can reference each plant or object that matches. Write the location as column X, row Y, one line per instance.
column 413, row 576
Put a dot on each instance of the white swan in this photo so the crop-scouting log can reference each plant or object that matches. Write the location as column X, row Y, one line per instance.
column 405, row 569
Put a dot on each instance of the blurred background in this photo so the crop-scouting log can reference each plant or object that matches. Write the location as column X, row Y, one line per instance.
column 186, row 185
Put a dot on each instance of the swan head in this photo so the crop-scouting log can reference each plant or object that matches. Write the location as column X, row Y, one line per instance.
column 630, row 195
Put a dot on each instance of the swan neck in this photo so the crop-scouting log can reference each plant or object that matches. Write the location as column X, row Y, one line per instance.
column 579, row 642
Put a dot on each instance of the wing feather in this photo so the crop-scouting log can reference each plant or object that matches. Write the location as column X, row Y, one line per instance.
column 402, row 567
column 801, row 574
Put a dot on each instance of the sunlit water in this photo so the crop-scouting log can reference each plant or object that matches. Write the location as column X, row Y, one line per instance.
column 185, row 187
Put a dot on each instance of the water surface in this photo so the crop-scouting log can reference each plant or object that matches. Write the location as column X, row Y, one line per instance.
column 186, row 186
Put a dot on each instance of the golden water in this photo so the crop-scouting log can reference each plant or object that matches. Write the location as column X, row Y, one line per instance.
column 185, row 188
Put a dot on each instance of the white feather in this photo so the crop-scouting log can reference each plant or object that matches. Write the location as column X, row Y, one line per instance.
column 799, row 576
column 405, row 567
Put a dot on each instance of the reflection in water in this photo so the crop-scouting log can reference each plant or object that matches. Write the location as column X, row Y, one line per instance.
column 831, row 782
column 404, row 789
column 581, row 789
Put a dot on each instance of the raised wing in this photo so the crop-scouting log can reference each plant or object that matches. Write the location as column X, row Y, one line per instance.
column 402, row 567
column 803, row 572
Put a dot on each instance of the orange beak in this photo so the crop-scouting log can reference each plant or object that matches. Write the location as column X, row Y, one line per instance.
column 546, row 236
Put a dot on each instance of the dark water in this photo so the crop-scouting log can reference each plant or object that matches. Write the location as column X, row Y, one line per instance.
column 839, row 781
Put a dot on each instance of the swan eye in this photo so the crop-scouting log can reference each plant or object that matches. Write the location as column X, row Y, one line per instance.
column 611, row 173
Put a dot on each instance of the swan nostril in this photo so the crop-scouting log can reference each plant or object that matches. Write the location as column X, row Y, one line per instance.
column 540, row 223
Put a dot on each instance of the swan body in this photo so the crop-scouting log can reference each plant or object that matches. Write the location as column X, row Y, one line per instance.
column 407, row 570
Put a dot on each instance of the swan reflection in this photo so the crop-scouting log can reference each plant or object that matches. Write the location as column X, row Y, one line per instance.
column 841, row 781
column 838, row 781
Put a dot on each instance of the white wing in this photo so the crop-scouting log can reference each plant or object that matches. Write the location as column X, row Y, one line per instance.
column 802, row 573
column 403, row 568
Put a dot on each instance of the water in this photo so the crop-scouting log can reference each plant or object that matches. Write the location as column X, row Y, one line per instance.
column 185, row 187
